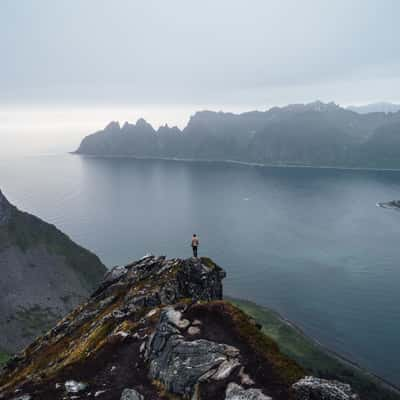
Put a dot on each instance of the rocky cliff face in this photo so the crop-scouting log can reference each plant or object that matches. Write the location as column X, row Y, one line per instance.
column 44, row 275
column 159, row 329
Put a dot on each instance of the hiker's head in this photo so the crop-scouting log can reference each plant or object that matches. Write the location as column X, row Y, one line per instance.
column 194, row 235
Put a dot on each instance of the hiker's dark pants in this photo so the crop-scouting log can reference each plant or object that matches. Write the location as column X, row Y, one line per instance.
column 194, row 251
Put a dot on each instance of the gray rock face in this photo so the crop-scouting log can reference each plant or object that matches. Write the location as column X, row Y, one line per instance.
column 179, row 364
column 193, row 280
column 311, row 388
column 198, row 282
column 236, row 392
column 131, row 394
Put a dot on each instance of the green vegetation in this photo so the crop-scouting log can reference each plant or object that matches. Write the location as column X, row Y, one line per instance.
column 286, row 370
column 208, row 262
column 314, row 358
column 4, row 357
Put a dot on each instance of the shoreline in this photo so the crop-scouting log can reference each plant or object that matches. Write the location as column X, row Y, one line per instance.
column 244, row 163
column 315, row 342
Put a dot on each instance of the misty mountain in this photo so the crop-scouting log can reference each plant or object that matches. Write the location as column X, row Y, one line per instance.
column 318, row 134
column 376, row 107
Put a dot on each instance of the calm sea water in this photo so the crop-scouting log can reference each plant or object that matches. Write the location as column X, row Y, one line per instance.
column 309, row 243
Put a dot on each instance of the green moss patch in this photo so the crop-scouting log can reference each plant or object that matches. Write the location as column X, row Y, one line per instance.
column 4, row 357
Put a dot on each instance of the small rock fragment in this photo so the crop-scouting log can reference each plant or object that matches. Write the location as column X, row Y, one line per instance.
column 151, row 313
column 245, row 378
column 193, row 330
column 225, row 369
column 236, row 392
column 131, row 394
column 175, row 317
column 74, row 386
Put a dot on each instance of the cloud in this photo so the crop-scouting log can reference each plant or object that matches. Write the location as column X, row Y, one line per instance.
column 175, row 52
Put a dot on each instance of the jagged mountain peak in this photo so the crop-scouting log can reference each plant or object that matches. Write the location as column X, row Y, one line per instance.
column 319, row 105
column 142, row 123
column 127, row 125
column 113, row 126
column 316, row 106
column 158, row 328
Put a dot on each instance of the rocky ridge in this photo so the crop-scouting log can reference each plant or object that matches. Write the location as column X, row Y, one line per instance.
column 160, row 329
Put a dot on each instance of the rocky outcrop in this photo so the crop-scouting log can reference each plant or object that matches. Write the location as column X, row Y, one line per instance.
column 310, row 388
column 158, row 328
column 179, row 364
column 44, row 275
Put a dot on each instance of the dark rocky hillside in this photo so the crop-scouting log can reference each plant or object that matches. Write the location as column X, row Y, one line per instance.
column 317, row 134
column 44, row 275
column 159, row 329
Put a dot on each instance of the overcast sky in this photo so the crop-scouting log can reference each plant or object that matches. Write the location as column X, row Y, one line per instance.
column 183, row 54
column 216, row 52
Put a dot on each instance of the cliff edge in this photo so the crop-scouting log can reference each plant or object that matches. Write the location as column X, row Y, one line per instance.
column 159, row 329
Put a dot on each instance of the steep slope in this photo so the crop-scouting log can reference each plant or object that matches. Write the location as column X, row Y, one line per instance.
column 159, row 329
column 383, row 148
column 43, row 276
column 317, row 134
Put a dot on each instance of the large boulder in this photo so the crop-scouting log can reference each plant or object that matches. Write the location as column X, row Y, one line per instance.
column 311, row 388
column 180, row 365
column 200, row 279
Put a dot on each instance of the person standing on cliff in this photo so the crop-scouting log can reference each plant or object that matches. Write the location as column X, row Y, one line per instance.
column 195, row 244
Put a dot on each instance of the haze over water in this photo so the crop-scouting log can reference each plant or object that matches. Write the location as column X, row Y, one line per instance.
column 310, row 243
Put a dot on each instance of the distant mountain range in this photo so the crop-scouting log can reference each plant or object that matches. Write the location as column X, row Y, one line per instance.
column 314, row 134
column 376, row 107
